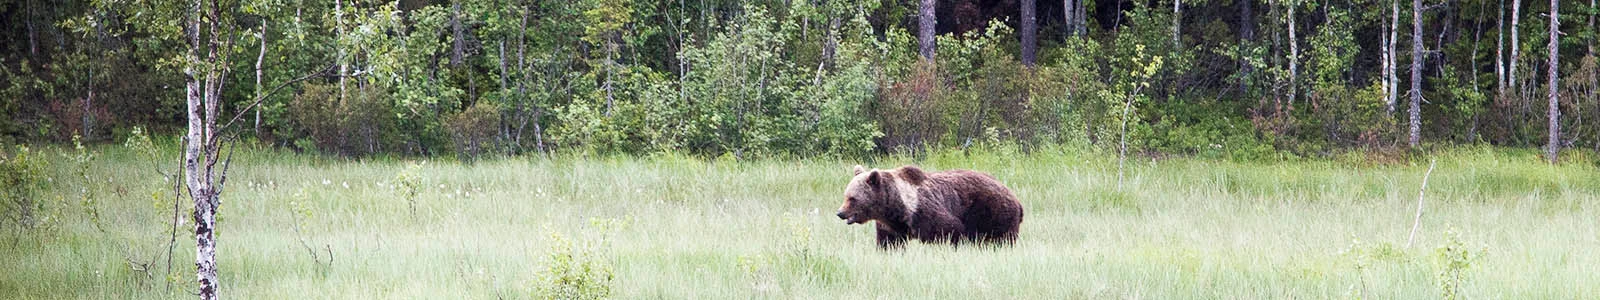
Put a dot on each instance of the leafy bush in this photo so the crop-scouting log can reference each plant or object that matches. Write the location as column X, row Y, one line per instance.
column 639, row 115
column 574, row 273
column 408, row 183
column 21, row 179
column 578, row 270
column 909, row 110
column 841, row 123
column 362, row 123
column 1454, row 260
column 475, row 130
column 743, row 88
column 1355, row 117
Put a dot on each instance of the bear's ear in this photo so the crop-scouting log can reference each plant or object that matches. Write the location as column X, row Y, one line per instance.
column 877, row 179
column 860, row 169
column 912, row 174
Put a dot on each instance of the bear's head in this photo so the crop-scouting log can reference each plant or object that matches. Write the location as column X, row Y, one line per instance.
column 881, row 195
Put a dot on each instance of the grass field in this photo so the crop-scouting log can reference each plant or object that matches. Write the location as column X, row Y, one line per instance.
column 677, row 228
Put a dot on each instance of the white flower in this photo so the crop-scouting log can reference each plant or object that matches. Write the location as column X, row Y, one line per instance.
column 325, row 181
column 346, row 185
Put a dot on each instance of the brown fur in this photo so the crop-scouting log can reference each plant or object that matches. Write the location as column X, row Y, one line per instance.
column 953, row 207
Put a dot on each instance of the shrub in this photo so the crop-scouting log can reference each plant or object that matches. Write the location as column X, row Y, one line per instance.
column 841, row 124
column 1454, row 260
column 574, row 273
column 643, row 115
column 362, row 123
column 579, row 270
column 908, row 111
column 474, row 130
column 1354, row 117
column 21, row 178
column 408, row 184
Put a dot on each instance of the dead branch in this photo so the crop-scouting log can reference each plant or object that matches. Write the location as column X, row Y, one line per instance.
column 1417, row 222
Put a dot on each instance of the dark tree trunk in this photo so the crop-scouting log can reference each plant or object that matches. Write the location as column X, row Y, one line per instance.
column 1247, row 33
column 88, row 108
column 1294, row 56
column 925, row 29
column 457, row 46
column 1030, row 28
column 1082, row 20
column 1067, row 16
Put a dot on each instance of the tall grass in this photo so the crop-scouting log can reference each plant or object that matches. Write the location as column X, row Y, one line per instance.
column 676, row 227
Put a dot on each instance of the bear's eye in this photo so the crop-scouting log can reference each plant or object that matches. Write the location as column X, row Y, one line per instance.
column 849, row 199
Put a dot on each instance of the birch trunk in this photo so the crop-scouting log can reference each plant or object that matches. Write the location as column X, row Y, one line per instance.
column 260, row 56
column 202, row 89
column 1393, row 90
column 1416, row 74
column 1499, row 52
column 1477, row 37
column 1294, row 56
column 1177, row 24
column 338, row 29
column 1385, row 59
column 1553, row 146
column 1516, row 48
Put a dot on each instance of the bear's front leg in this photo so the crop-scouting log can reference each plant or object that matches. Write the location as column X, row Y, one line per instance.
column 889, row 239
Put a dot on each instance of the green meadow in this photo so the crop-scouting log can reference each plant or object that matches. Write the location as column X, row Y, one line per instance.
column 1496, row 224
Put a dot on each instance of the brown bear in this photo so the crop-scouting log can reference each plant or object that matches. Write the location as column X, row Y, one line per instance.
column 943, row 207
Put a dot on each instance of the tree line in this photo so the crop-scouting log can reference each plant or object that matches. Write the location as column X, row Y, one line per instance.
column 1225, row 78
column 1241, row 79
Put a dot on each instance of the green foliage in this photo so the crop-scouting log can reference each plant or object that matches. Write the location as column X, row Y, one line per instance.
column 1453, row 260
column 21, row 180
column 475, row 130
column 363, row 123
column 775, row 78
column 909, row 111
column 1362, row 258
column 408, row 183
column 743, row 89
column 796, row 260
column 1130, row 79
column 1067, row 96
column 81, row 159
column 841, row 124
column 579, row 270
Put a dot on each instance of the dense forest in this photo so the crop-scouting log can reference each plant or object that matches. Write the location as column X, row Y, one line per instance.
column 1241, row 79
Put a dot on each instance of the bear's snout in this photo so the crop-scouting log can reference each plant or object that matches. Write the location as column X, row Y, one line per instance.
column 848, row 218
